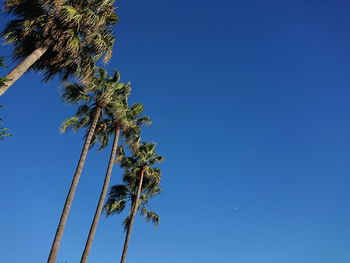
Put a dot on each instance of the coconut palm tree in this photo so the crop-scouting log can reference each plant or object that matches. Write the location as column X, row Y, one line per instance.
column 141, row 182
column 61, row 38
column 120, row 120
column 95, row 98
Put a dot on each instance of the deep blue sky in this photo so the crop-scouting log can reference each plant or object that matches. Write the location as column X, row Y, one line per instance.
column 250, row 104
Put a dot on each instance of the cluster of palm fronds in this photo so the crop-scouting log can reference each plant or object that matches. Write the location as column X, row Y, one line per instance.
column 74, row 35
column 63, row 39
column 66, row 38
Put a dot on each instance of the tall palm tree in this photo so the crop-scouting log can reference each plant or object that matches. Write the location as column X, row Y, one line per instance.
column 141, row 182
column 95, row 98
column 62, row 38
column 120, row 119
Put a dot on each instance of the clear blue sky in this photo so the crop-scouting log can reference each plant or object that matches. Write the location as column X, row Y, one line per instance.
column 250, row 103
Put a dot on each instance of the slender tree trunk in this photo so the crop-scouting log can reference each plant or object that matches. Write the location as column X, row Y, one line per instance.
column 103, row 194
column 132, row 218
column 73, row 187
column 21, row 68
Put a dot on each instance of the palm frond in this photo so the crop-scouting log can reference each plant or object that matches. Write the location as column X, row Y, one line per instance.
column 74, row 93
column 68, row 123
column 126, row 223
column 120, row 154
column 114, row 207
column 150, row 216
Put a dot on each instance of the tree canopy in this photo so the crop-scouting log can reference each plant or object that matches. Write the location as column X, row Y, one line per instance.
column 74, row 34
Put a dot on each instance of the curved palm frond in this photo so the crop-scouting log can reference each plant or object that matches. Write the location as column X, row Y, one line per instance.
column 150, row 216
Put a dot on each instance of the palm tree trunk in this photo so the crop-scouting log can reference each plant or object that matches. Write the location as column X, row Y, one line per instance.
column 73, row 187
column 21, row 68
column 132, row 218
column 102, row 197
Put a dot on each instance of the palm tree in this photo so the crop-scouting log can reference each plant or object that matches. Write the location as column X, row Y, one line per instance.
column 95, row 98
column 122, row 119
column 62, row 38
column 141, row 182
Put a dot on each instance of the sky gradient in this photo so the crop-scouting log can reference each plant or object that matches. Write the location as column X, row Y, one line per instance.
column 250, row 108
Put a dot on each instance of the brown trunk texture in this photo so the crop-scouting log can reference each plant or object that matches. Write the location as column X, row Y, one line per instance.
column 102, row 197
column 21, row 68
column 132, row 218
column 72, row 189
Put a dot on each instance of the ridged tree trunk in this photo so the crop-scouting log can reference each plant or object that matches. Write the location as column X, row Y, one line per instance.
column 72, row 189
column 132, row 218
column 103, row 194
column 21, row 68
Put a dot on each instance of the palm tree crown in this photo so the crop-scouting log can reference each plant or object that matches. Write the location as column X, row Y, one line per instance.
column 102, row 92
column 72, row 35
column 127, row 119
column 144, row 157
